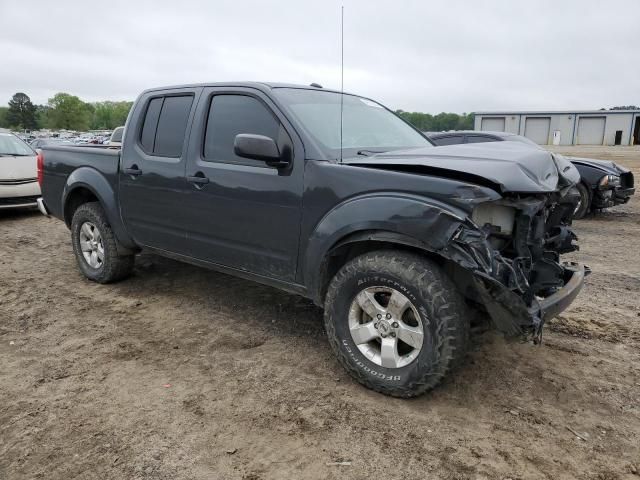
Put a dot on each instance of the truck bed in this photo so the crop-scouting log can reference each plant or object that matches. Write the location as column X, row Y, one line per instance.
column 62, row 161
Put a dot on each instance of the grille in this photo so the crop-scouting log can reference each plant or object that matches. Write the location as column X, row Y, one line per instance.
column 18, row 200
column 626, row 180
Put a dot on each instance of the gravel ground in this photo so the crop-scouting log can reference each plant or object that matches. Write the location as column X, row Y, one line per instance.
column 182, row 373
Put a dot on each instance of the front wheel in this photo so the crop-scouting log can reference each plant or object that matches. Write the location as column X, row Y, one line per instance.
column 94, row 245
column 396, row 322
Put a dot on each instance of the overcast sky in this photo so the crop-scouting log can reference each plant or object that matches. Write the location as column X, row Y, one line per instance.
column 429, row 56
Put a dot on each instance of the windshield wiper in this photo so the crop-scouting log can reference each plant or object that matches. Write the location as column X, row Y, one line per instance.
column 14, row 155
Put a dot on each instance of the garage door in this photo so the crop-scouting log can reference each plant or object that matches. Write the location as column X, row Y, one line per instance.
column 492, row 124
column 537, row 129
column 591, row 130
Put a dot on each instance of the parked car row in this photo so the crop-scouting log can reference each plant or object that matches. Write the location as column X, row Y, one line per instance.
column 603, row 183
column 18, row 173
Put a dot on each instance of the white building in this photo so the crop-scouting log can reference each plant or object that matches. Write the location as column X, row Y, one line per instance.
column 588, row 127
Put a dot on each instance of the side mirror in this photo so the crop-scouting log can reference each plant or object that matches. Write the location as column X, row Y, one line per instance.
column 259, row 147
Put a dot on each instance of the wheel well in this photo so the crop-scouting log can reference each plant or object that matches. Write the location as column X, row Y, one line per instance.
column 77, row 197
column 340, row 255
column 461, row 277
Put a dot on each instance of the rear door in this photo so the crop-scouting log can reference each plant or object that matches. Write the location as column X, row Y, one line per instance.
column 246, row 215
column 152, row 169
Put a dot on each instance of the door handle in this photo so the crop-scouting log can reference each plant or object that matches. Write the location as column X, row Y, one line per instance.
column 134, row 171
column 198, row 179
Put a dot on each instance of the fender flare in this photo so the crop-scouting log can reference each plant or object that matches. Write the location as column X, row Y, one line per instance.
column 94, row 181
column 410, row 220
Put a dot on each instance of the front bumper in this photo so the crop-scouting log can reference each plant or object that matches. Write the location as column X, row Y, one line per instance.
column 558, row 301
column 622, row 195
column 17, row 202
column 611, row 197
column 18, row 195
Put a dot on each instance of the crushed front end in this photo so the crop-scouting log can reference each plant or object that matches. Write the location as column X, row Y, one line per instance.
column 513, row 247
column 614, row 189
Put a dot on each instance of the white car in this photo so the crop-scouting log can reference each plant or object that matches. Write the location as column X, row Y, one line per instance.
column 19, row 186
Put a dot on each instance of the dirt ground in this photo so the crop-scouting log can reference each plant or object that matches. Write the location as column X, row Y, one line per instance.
column 183, row 373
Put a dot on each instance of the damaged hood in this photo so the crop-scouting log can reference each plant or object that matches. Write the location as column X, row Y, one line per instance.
column 505, row 166
column 606, row 166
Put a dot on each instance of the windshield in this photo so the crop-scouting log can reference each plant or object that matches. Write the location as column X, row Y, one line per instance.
column 12, row 145
column 368, row 127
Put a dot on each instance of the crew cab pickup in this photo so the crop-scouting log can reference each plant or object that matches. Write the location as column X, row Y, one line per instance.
column 333, row 197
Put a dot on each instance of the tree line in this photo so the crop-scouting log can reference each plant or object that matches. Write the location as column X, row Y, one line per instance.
column 441, row 122
column 62, row 111
column 65, row 111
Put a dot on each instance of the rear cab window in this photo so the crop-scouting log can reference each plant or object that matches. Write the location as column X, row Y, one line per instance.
column 481, row 139
column 448, row 140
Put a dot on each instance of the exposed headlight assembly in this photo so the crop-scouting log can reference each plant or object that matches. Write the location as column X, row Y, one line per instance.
column 499, row 217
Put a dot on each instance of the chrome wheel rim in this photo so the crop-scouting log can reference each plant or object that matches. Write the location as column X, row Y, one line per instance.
column 386, row 327
column 578, row 205
column 91, row 245
column 582, row 200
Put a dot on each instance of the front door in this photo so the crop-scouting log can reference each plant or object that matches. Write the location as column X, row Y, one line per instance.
column 152, row 172
column 241, row 212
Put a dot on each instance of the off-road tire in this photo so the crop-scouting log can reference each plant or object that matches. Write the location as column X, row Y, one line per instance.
column 114, row 267
column 444, row 313
column 585, row 202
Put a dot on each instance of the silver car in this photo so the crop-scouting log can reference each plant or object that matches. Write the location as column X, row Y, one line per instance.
column 18, row 173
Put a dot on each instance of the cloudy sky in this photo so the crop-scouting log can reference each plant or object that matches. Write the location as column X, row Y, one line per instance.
column 427, row 55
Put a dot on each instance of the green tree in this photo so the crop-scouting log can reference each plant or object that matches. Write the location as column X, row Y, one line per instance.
column 438, row 123
column 3, row 117
column 42, row 116
column 69, row 112
column 21, row 113
column 109, row 115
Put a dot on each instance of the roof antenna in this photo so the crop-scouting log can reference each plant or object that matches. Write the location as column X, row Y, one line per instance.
column 341, row 75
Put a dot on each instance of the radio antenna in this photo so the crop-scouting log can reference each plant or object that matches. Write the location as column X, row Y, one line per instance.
column 341, row 76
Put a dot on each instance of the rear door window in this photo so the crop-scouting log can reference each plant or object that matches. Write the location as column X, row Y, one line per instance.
column 148, row 133
column 165, row 125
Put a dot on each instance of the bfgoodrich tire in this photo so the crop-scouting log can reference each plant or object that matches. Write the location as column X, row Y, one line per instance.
column 396, row 322
column 94, row 246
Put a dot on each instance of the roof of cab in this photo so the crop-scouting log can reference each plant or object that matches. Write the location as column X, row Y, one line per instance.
column 257, row 85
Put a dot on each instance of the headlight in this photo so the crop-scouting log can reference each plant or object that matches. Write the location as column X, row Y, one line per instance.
column 495, row 215
column 609, row 181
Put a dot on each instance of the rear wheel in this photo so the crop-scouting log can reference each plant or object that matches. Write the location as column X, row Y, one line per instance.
column 396, row 322
column 94, row 246
column 584, row 203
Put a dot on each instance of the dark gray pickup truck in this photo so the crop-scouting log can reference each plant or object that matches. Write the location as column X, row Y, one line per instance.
column 401, row 242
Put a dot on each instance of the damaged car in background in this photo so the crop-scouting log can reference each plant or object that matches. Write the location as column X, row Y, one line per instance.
column 603, row 183
column 333, row 197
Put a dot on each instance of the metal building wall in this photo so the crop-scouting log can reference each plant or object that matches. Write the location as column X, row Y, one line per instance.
column 566, row 124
